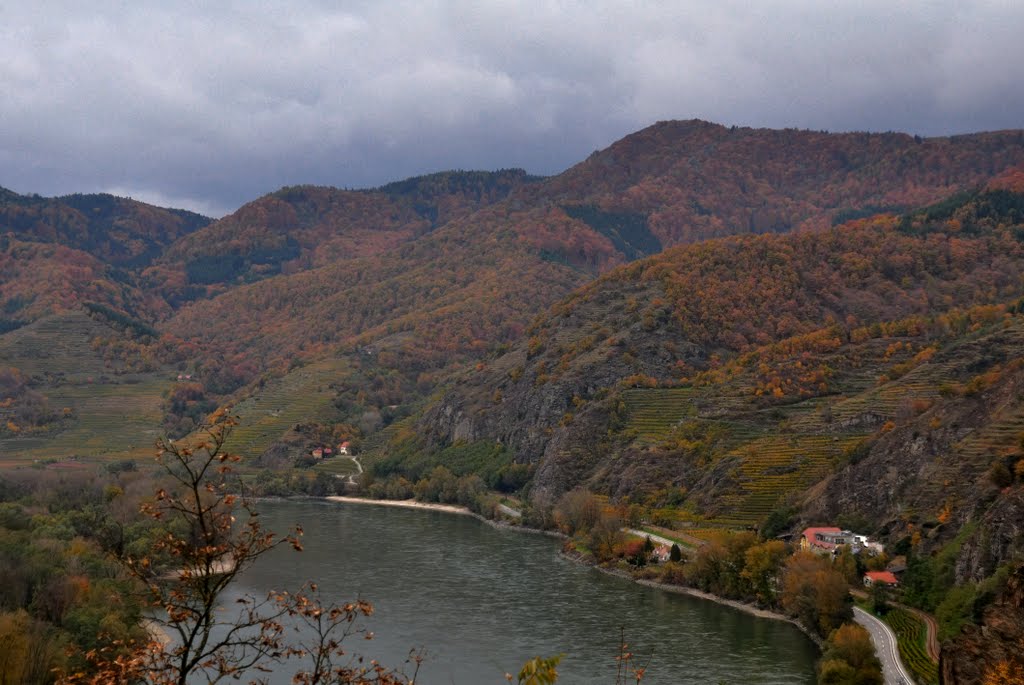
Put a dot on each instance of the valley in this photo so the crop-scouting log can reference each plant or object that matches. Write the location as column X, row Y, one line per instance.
column 703, row 330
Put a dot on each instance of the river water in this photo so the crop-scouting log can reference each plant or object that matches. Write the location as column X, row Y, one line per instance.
column 481, row 601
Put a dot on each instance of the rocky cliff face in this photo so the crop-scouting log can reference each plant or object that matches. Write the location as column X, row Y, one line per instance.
column 932, row 474
column 997, row 643
column 551, row 411
column 999, row 538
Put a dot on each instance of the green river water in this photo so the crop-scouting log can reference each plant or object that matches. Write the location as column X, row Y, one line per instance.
column 481, row 601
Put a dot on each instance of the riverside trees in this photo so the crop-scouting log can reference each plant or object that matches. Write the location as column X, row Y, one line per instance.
column 208, row 536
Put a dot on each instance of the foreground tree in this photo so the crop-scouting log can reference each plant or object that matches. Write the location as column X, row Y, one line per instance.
column 815, row 593
column 850, row 658
column 209, row 536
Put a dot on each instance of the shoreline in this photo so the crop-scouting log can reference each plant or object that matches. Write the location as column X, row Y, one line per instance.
column 403, row 503
column 434, row 506
column 751, row 609
column 746, row 608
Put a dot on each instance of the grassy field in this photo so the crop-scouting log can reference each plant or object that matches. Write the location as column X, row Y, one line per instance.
column 337, row 466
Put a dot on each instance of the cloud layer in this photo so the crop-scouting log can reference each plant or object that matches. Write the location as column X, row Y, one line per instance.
column 208, row 108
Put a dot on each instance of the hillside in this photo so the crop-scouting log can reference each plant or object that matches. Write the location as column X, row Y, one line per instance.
column 439, row 270
column 56, row 254
column 723, row 380
column 115, row 230
column 693, row 180
column 406, row 284
column 306, row 227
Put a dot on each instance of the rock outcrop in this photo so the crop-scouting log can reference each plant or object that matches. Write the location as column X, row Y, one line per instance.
column 981, row 651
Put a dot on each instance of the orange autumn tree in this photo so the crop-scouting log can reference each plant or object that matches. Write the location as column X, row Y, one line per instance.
column 209, row 536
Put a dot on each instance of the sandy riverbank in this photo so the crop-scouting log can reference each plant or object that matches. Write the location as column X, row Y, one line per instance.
column 406, row 503
column 448, row 508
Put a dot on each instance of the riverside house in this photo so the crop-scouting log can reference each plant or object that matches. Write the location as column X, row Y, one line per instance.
column 825, row 539
column 872, row 578
column 828, row 540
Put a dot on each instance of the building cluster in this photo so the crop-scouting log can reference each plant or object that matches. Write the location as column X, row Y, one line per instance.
column 343, row 450
column 829, row 540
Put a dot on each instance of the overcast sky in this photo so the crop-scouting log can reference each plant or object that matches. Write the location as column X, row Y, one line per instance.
column 182, row 104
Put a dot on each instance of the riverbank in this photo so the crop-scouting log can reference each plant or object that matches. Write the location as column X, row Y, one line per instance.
column 505, row 591
column 583, row 559
column 404, row 503
column 745, row 607
column 157, row 633
column 446, row 508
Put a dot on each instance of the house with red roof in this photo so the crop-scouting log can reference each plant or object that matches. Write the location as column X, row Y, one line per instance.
column 880, row 577
column 661, row 553
column 824, row 539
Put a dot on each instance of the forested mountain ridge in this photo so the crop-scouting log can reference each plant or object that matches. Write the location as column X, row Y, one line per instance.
column 305, row 227
column 116, row 230
column 408, row 282
column 694, row 180
column 58, row 253
column 416, row 246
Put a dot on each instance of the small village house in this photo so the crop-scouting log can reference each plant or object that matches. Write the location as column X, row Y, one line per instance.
column 872, row 578
column 661, row 553
column 828, row 540
column 822, row 539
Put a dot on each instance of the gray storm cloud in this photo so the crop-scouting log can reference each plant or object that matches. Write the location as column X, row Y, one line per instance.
column 210, row 107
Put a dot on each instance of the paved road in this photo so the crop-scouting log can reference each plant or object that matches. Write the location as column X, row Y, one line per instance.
column 885, row 646
column 509, row 511
column 351, row 478
column 932, row 628
column 658, row 539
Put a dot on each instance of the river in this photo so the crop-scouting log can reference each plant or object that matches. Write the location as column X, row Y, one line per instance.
column 481, row 601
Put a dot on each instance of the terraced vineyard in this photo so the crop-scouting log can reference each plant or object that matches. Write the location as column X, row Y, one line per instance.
column 705, row 532
column 59, row 344
column 102, row 427
column 989, row 442
column 775, row 466
column 302, row 395
column 112, row 415
column 921, row 383
column 924, row 381
column 374, row 444
column 911, row 634
column 654, row 412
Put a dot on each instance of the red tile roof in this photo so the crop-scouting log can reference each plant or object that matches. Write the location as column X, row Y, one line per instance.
column 811, row 532
column 881, row 577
